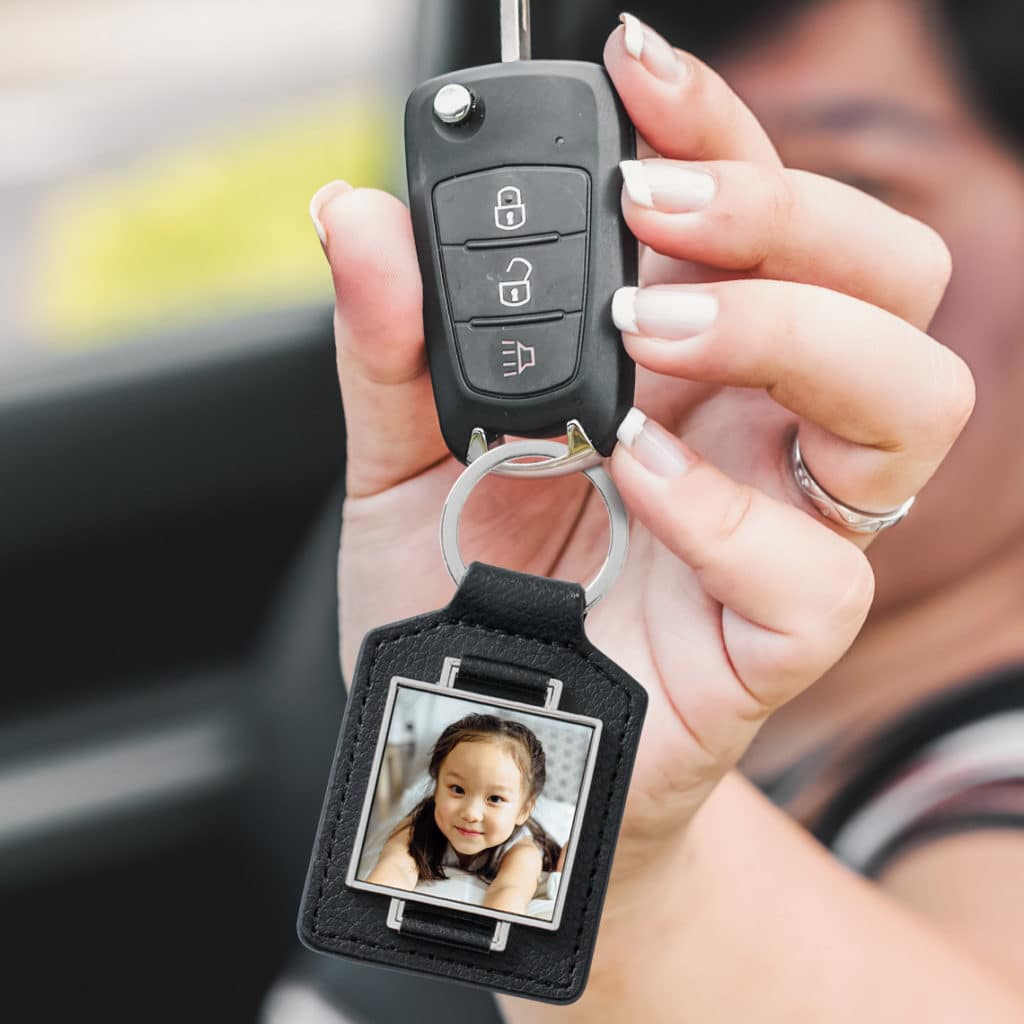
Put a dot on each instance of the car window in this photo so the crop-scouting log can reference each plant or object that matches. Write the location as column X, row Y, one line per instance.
column 158, row 157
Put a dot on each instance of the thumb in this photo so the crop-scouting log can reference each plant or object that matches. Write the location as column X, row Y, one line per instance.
column 391, row 422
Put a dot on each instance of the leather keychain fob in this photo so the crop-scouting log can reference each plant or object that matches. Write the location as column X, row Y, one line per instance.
column 550, row 727
column 514, row 194
column 512, row 647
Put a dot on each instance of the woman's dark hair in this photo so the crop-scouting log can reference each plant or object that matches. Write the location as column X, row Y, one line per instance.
column 983, row 38
column 427, row 844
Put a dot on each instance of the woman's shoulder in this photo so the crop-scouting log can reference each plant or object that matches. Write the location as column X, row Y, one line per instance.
column 951, row 763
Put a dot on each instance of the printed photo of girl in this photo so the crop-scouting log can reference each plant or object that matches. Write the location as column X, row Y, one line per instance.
column 487, row 773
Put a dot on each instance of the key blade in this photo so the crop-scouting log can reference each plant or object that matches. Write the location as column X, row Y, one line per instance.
column 515, row 30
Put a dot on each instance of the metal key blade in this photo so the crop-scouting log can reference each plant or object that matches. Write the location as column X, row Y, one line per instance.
column 515, row 30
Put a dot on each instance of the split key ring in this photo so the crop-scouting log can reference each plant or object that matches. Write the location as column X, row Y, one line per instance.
column 503, row 457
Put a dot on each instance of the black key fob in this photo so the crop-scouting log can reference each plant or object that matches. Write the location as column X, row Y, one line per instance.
column 514, row 190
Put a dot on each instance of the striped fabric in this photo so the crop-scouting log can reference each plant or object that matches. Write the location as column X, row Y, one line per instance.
column 973, row 777
column 952, row 765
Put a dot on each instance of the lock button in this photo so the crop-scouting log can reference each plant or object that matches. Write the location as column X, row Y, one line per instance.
column 510, row 213
column 513, row 281
column 512, row 201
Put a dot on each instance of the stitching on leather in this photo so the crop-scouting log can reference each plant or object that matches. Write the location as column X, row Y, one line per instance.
column 366, row 943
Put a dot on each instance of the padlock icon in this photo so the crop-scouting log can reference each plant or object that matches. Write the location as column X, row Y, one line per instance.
column 517, row 291
column 510, row 213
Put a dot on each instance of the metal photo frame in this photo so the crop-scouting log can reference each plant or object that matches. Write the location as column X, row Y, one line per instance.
column 447, row 688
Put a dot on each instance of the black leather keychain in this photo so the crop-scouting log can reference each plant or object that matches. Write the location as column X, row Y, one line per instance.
column 508, row 653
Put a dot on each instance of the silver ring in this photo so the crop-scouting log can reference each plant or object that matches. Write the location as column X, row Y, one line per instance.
column 618, row 529
column 561, row 465
column 854, row 519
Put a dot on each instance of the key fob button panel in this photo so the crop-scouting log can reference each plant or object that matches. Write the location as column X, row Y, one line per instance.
column 532, row 175
column 512, row 202
column 507, row 359
column 521, row 279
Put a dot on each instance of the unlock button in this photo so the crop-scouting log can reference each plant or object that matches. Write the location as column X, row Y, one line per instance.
column 515, row 290
column 517, row 280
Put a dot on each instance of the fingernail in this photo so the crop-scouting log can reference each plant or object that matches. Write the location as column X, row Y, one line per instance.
column 645, row 45
column 652, row 445
column 320, row 197
column 668, row 313
column 668, row 187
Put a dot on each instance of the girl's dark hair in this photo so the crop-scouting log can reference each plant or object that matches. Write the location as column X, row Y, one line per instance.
column 427, row 844
column 982, row 37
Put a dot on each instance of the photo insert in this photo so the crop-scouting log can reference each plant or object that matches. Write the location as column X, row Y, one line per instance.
column 477, row 803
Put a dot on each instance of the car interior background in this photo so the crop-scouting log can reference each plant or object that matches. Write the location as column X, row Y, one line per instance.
column 172, row 448
column 172, row 463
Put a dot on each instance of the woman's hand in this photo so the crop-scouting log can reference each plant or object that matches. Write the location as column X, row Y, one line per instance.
column 771, row 300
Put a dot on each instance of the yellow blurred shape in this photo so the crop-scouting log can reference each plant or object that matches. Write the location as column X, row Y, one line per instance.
column 204, row 230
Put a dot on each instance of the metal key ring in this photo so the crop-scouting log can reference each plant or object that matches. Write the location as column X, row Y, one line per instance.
column 618, row 539
column 562, row 465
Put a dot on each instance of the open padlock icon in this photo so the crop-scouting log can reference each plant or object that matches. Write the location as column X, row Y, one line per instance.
column 510, row 213
column 517, row 291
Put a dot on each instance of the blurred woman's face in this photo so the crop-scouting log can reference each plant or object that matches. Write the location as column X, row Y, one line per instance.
column 862, row 91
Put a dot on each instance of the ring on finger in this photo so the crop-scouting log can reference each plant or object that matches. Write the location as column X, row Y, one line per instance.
column 854, row 519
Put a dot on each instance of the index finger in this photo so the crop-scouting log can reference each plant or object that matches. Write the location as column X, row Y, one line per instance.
column 391, row 427
column 678, row 104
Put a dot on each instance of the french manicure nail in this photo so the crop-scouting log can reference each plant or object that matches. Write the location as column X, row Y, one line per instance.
column 652, row 445
column 320, row 197
column 668, row 313
column 646, row 46
column 668, row 187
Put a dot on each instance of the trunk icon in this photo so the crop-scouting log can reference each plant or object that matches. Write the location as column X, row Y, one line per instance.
column 516, row 357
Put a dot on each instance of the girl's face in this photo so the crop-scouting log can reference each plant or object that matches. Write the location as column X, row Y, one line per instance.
column 480, row 797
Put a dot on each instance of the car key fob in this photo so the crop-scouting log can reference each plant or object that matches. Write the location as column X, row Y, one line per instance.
column 514, row 192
